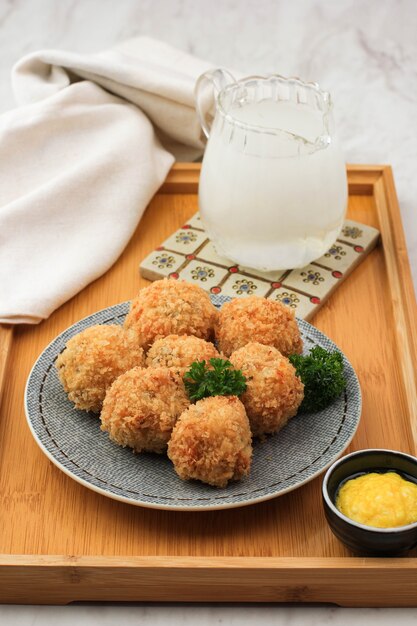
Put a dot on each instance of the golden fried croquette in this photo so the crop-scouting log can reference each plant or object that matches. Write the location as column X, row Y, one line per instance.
column 179, row 351
column 273, row 393
column 256, row 319
column 142, row 406
column 171, row 307
column 93, row 359
column 212, row 441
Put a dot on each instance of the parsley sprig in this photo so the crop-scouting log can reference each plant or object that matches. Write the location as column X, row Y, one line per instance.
column 323, row 377
column 216, row 378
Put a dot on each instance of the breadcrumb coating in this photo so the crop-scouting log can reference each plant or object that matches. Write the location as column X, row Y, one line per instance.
column 256, row 319
column 179, row 351
column 171, row 307
column 93, row 359
column 142, row 406
column 273, row 393
column 212, row 441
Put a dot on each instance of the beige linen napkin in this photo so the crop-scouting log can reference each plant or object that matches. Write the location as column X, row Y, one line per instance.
column 91, row 142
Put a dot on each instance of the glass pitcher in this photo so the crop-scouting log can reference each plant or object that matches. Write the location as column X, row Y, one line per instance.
column 273, row 189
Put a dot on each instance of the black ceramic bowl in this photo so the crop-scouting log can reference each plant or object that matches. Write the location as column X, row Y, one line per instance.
column 368, row 540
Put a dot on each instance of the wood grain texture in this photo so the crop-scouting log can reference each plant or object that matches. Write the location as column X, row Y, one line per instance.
column 402, row 293
column 281, row 550
column 6, row 336
column 347, row 582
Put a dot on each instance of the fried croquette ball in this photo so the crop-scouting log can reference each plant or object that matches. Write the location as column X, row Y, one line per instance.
column 243, row 320
column 142, row 406
column 179, row 351
column 171, row 307
column 93, row 359
column 212, row 441
column 273, row 391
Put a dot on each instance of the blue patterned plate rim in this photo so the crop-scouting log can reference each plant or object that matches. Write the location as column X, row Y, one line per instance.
column 77, row 446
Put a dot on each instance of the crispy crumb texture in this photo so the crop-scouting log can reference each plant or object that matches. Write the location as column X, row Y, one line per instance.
column 273, row 393
column 141, row 407
column 171, row 307
column 179, row 351
column 93, row 359
column 243, row 320
column 212, row 442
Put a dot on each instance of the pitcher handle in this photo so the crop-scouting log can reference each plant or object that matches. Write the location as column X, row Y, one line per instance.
column 207, row 88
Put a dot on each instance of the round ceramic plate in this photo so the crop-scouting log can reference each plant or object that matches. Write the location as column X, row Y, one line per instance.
column 73, row 440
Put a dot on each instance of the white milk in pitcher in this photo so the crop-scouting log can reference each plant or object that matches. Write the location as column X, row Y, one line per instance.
column 269, row 200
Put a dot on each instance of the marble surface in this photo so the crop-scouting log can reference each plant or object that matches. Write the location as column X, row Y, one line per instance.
column 363, row 52
column 203, row 615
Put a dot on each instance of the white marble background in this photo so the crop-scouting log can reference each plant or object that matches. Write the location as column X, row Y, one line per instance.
column 363, row 51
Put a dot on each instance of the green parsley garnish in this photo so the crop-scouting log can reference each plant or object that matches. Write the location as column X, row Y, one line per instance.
column 218, row 378
column 323, row 377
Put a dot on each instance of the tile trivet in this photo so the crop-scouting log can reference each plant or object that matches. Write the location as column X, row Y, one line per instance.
column 189, row 254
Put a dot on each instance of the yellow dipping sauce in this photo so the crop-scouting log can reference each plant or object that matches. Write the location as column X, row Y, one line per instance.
column 381, row 500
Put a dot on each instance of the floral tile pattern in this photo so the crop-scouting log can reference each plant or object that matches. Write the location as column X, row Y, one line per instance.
column 185, row 240
column 359, row 235
column 302, row 305
column 240, row 286
column 161, row 263
column 203, row 274
column 312, row 280
column 189, row 255
column 339, row 257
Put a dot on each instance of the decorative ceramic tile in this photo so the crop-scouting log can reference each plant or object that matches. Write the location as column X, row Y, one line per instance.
column 312, row 280
column 240, row 286
column 203, row 274
column 161, row 263
column 302, row 305
column 208, row 253
column 358, row 235
column 195, row 222
column 270, row 277
column 189, row 255
column 339, row 257
column 185, row 240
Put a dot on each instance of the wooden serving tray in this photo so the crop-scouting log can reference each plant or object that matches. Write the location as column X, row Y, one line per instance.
column 60, row 542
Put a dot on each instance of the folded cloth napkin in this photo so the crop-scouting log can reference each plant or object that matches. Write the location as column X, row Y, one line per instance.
column 91, row 142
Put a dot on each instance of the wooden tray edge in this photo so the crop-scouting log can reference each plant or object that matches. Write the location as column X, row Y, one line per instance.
column 6, row 337
column 401, row 288
column 341, row 581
